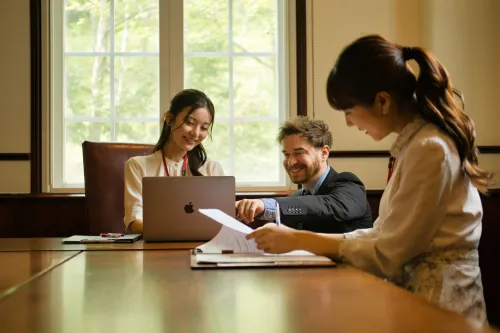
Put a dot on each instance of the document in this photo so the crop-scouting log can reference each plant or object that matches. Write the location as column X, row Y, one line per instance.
column 230, row 249
column 229, row 241
column 228, row 221
column 231, row 237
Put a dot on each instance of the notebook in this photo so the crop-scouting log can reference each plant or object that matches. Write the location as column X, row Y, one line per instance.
column 170, row 206
column 80, row 239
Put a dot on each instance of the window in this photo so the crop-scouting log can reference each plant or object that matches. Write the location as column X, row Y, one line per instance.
column 114, row 68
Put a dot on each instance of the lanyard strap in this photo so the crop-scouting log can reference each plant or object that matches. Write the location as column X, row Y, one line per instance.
column 392, row 162
column 184, row 165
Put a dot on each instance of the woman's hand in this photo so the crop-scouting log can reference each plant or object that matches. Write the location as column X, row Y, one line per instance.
column 282, row 239
column 274, row 239
column 136, row 227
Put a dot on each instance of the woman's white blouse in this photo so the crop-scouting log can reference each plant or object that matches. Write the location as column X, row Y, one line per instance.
column 428, row 205
column 152, row 166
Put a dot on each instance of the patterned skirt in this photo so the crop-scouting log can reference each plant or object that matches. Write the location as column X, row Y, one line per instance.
column 451, row 279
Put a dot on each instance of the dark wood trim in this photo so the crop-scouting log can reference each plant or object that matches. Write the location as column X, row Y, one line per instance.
column 494, row 192
column 489, row 149
column 36, row 94
column 373, row 193
column 301, row 45
column 239, row 195
column 41, row 196
column 358, row 153
column 484, row 150
column 15, row 156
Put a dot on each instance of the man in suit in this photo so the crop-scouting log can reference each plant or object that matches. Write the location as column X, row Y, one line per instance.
column 328, row 202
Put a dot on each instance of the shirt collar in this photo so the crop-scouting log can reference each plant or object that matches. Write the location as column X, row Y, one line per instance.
column 406, row 133
column 315, row 188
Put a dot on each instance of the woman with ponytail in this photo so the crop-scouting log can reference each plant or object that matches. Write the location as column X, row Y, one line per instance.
column 427, row 233
column 179, row 151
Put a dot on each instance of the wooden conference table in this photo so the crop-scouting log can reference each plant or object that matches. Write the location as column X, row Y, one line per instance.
column 49, row 287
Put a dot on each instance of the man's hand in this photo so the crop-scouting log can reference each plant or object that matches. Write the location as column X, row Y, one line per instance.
column 248, row 209
column 274, row 239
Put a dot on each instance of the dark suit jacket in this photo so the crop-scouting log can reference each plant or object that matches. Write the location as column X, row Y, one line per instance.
column 339, row 206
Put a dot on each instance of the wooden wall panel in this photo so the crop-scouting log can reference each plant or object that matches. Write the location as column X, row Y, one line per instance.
column 42, row 215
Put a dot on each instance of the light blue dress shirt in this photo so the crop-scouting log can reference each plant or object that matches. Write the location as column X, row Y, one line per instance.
column 270, row 204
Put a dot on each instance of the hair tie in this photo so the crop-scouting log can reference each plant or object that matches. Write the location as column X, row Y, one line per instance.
column 407, row 53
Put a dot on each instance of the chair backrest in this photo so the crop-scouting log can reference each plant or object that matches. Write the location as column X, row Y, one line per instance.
column 103, row 165
column 489, row 249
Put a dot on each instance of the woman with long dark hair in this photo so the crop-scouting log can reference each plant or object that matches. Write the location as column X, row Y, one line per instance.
column 427, row 233
column 178, row 152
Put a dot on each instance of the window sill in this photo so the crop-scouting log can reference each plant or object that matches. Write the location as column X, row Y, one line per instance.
column 239, row 195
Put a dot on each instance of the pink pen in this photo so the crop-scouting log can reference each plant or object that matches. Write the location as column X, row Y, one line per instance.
column 111, row 235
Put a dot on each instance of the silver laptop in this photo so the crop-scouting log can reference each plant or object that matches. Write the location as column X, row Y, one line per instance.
column 170, row 206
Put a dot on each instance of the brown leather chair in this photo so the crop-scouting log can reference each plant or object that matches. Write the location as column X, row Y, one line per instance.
column 489, row 251
column 103, row 165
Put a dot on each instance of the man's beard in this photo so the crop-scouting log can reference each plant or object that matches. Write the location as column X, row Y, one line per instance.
column 310, row 172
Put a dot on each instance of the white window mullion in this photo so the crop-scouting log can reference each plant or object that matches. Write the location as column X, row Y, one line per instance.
column 108, row 54
column 281, row 80
column 224, row 54
column 171, row 50
column 58, row 77
column 112, row 125
column 231, row 87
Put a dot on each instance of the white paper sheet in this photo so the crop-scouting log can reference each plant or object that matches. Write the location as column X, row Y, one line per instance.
column 231, row 237
column 224, row 219
column 230, row 240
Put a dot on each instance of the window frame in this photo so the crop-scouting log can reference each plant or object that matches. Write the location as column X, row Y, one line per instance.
column 170, row 76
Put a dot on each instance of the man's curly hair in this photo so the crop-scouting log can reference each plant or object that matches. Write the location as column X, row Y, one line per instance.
column 316, row 132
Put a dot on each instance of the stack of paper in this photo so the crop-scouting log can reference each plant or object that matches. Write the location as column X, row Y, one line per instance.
column 230, row 248
column 231, row 237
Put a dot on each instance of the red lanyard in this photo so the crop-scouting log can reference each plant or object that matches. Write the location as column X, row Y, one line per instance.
column 392, row 163
column 184, row 165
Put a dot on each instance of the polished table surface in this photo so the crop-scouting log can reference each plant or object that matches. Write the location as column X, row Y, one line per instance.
column 18, row 268
column 54, row 244
column 156, row 291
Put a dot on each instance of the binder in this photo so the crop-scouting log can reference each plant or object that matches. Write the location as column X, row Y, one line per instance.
column 257, row 260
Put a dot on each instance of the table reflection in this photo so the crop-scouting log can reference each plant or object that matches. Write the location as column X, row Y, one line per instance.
column 19, row 267
column 156, row 291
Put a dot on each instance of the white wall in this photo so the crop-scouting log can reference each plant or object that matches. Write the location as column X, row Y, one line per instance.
column 465, row 36
column 14, row 94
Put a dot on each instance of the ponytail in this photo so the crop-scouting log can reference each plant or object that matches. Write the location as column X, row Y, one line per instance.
column 372, row 64
column 437, row 102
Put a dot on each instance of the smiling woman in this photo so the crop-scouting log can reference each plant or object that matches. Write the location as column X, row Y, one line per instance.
column 189, row 128
column 179, row 151
column 187, row 123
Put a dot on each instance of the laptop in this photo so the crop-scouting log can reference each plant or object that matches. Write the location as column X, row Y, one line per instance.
column 170, row 206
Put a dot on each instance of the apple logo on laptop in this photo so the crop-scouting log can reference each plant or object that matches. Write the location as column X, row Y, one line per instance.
column 189, row 208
